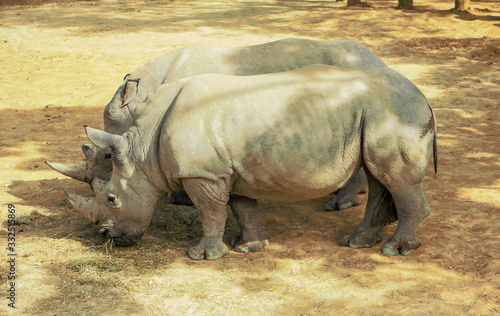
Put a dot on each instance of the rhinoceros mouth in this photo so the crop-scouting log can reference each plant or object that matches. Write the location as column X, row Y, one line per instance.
column 104, row 232
column 124, row 241
column 119, row 240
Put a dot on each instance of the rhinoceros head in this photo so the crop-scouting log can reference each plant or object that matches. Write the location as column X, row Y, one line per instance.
column 124, row 206
column 97, row 164
column 117, row 120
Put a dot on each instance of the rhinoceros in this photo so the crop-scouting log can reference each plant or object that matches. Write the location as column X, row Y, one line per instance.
column 271, row 57
column 287, row 136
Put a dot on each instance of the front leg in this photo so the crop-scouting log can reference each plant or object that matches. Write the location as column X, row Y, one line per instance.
column 246, row 212
column 210, row 198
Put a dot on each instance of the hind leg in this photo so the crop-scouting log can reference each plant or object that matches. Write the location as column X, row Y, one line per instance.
column 401, row 170
column 411, row 209
column 246, row 212
column 379, row 212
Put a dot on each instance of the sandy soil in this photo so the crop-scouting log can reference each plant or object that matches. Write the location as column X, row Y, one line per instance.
column 59, row 66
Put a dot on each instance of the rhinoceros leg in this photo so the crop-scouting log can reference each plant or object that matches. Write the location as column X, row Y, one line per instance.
column 246, row 212
column 210, row 199
column 380, row 211
column 412, row 208
column 405, row 202
column 347, row 196
column 399, row 163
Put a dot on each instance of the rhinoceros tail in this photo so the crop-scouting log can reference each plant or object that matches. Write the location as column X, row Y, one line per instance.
column 428, row 127
column 435, row 151
column 432, row 125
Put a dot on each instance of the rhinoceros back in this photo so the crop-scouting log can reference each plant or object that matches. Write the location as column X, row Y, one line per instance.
column 303, row 125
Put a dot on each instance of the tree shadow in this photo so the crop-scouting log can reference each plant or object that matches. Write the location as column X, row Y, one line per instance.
column 53, row 133
column 461, row 15
column 473, row 49
column 103, row 18
column 247, row 16
column 35, row 3
column 460, row 237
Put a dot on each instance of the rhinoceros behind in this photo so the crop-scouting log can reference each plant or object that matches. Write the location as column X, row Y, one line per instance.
column 289, row 136
column 277, row 56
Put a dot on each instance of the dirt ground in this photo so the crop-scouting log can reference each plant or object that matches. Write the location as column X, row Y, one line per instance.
column 61, row 63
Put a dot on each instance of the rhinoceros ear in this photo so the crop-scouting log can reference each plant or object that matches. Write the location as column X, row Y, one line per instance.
column 88, row 151
column 104, row 140
column 131, row 88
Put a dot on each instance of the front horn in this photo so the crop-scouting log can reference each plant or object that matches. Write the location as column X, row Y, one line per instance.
column 74, row 170
column 83, row 205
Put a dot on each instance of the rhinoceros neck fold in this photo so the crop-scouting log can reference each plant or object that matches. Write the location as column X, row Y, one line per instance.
column 148, row 131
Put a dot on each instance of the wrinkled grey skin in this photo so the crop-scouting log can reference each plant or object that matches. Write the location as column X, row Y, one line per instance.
column 232, row 140
column 270, row 57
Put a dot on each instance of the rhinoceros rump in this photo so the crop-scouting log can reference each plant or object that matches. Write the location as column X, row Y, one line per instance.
column 282, row 55
column 289, row 136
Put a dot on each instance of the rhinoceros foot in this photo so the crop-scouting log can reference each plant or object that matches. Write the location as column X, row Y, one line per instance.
column 209, row 248
column 240, row 245
column 341, row 202
column 347, row 196
column 363, row 239
column 403, row 247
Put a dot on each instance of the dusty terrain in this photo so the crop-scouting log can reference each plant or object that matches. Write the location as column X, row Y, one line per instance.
column 61, row 63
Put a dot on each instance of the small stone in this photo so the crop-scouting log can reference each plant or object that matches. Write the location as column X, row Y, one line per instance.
column 23, row 220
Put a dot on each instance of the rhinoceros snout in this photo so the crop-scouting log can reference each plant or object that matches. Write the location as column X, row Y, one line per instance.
column 123, row 240
column 104, row 232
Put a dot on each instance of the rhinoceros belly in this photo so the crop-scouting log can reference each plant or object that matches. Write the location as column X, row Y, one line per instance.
column 297, row 166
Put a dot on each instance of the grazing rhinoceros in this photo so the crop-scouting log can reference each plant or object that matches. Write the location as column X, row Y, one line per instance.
column 288, row 136
column 277, row 56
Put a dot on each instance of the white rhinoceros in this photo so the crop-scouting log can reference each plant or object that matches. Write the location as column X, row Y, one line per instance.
column 287, row 136
column 277, row 56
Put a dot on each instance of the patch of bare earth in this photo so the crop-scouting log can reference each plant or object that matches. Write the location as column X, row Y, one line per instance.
column 61, row 63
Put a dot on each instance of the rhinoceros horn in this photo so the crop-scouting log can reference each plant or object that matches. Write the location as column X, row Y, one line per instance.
column 83, row 205
column 103, row 140
column 75, row 170
column 98, row 185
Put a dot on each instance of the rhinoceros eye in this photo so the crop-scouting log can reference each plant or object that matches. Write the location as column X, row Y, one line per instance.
column 108, row 156
column 113, row 201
